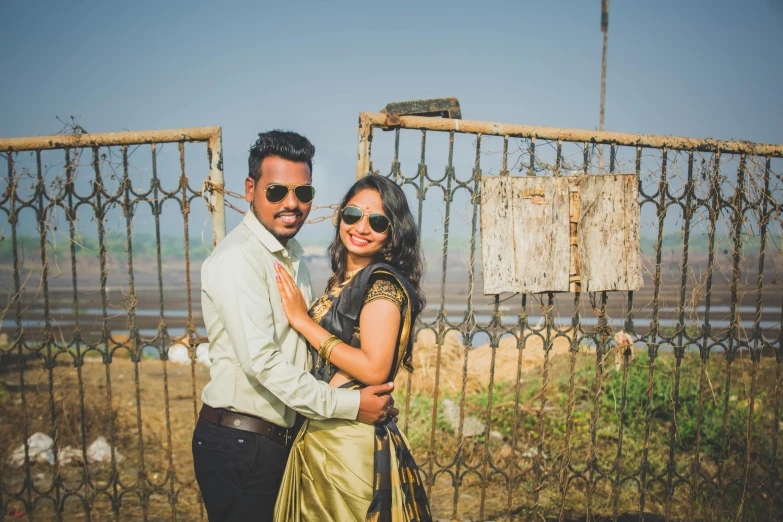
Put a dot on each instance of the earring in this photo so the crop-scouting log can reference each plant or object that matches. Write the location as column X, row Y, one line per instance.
column 386, row 252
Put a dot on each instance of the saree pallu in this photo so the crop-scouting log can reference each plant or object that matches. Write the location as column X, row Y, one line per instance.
column 331, row 475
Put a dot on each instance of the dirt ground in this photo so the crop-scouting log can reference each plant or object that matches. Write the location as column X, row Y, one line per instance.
column 147, row 411
column 152, row 423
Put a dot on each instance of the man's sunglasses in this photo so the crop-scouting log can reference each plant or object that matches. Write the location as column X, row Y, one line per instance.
column 378, row 222
column 276, row 193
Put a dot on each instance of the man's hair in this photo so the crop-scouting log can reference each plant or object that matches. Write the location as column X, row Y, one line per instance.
column 283, row 144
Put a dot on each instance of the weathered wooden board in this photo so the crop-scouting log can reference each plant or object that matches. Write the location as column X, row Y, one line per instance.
column 608, row 233
column 525, row 234
column 497, row 227
column 541, row 233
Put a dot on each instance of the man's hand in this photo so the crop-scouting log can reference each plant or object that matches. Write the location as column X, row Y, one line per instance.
column 375, row 404
column 393, row 411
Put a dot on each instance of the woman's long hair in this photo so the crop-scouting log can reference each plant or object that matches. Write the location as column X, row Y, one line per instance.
column 403, row 243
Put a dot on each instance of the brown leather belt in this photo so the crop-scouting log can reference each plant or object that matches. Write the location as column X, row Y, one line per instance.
column 239, row 421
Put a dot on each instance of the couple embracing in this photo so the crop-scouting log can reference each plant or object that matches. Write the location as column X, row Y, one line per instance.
column 297, row 421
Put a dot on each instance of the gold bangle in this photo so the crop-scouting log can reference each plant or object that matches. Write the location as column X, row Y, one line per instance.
column 325, row 343
column 328, row 350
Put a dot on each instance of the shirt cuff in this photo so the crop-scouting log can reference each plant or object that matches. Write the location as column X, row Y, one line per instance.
column 347, row 404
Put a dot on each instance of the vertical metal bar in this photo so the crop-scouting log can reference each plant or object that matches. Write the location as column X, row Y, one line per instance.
column 724, row 452
column 504, row 158
column 163, row 339
column 686, row 230
column 363, row 155
column 618, row 460
column 585, row 157
column 157, row 209
column 671, row 464
column 420, row 193
column 758, row 338
column 106, row 340
column 629, row 326
column 737, row 203
column 734, row 333
column 605, row 30
column 758, row 341
column 190, row 329
column 612, row 158
column 469, row 320
column 531, row 169
column 89, row 490
column 522, row 324
column 48, row 340
column 440, row 334
column 713, row 208
column 538, row 463
column 566, row 458
column 714, row 212
column 601, row 340
column 764, row 217
column 653, row 338
column 441, row 320
column 133, row 343
column 19, row 342
column 662, row 207
column 171, row 476
column 749, row 435
column 395, row 167
column 682, row 338
column 217, row 203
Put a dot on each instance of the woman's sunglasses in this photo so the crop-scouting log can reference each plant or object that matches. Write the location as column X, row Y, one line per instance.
column 378, row 222
column 277, row 193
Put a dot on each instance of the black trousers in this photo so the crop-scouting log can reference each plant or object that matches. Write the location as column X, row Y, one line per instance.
column 238, row 472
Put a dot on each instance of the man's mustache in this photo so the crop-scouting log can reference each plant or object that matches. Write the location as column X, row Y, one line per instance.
column 297, row 213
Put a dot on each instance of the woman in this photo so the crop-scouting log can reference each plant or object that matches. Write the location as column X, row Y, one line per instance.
column 360, row 333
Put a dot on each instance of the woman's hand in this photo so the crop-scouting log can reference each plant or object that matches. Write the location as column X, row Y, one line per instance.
column 294, row 304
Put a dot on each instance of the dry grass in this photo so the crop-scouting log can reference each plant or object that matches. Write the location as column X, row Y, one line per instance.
column 165, row 452
column 479, row 362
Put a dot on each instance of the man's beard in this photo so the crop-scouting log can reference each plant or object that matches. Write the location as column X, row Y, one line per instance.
column 279, row 237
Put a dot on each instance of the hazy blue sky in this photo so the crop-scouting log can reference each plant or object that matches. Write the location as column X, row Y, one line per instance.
column 693, row 68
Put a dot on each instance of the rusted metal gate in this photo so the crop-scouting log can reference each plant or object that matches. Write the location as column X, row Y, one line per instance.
column 98, row 280
column 535, row 406
column 543, row 415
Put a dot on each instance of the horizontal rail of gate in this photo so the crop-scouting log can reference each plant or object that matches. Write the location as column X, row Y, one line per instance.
column 524, row 406
column 97, row 270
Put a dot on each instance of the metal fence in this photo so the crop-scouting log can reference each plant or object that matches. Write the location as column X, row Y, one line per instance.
column 95, row 418
column 521, row 406
column 524, row 406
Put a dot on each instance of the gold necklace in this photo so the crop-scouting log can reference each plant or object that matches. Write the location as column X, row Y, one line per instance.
column 349, row 275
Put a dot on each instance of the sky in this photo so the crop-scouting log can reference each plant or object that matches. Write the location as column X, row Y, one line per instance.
column 689, row 68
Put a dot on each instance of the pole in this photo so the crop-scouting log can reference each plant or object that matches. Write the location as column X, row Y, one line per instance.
column 605, row 30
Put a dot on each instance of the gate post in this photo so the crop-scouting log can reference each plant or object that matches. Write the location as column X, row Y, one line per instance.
column 363, row 156
column 216, row 198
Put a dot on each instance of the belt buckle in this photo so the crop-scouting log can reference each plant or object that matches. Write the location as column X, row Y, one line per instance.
column 287, row 436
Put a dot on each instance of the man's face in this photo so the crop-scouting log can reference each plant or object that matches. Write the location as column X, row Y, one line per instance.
column 284, row 218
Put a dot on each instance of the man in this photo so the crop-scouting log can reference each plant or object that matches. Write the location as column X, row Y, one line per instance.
column 259, row 375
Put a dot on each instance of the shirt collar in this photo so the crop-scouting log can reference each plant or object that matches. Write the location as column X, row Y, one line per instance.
column 268, row 240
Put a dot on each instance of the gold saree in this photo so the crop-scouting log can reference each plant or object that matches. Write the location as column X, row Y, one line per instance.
column 340, row 470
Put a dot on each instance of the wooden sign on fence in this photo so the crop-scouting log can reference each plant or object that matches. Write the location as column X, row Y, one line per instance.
column 560, row 233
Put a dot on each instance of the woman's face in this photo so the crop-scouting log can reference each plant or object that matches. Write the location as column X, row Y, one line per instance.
column 359, row 239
